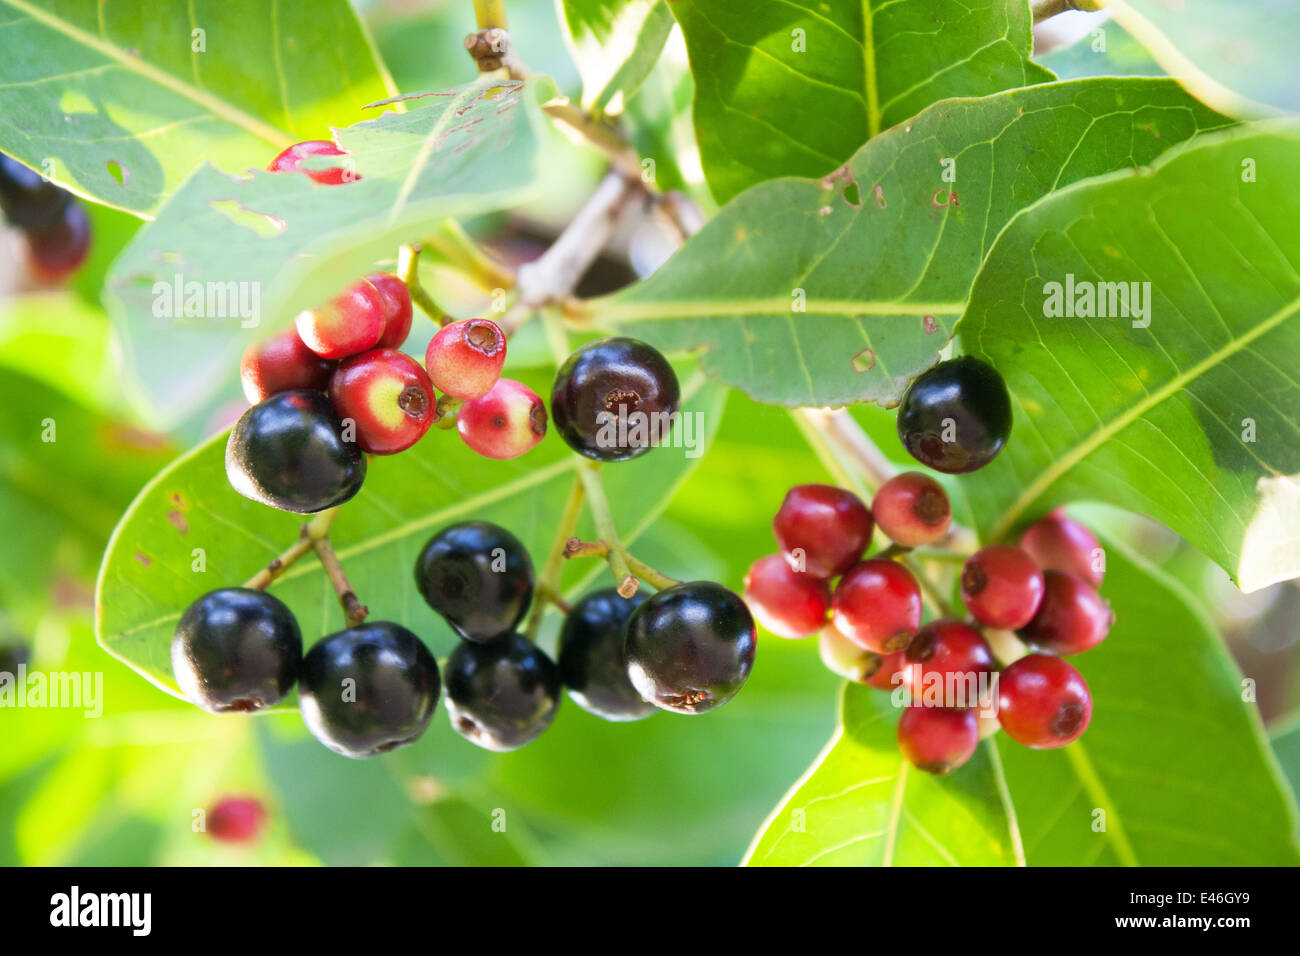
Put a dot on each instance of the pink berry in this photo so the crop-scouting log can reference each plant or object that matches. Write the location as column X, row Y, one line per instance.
column 396, row 308
column 281, row 364
column 349, row 324
column 465, row 358
column 821, row 529
column 937, row 739
column 877, row 604
column 1059, row 543
column 913, row 509
column 506, row 422
column 236, row 819
column 1001, row 586
column 290, row 161
column 1072, row 617
column 387, row 396
column 788, row 603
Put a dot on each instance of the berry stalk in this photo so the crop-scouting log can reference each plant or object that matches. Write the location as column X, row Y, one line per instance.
column 310, row 532
column 548, row 582
column 626, row 581
column 408, row 269
column 353, row 609
column 490, row 13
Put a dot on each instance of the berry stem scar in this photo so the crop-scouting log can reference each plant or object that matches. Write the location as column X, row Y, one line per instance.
column 313, row 530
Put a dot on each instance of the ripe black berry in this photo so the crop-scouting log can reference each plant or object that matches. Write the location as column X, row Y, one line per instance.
column 690, row 647
column 57, row 251
column 501, row 695
column 236, row 649
column 28, row 200
column 591, row 658
column 478, row 576
column 614, row 399
column 956, row 417
column 289, row 452
column 369, row 689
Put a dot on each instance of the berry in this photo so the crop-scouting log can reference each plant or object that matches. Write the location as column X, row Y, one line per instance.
column 821, row 529
column 877, row 604
column 947, row 657
column 478, row 576
column 891, row 666
column 502, row 695
column 1059, row 543
column 786, row 602
column 12, row 657
column 912, row 509
column 236, row 819
column 956, row 417
column 1002, row 586
column 1072, row 618
column 290, row 161
column 464, row 359
column 841, row 656
column 592, row 663
column 28, row 200
column 236, row 649
column 396, row 299
column 369, row 689
column 615, row 399
column 505, row 423
column 1043, row 702
column 348, row 324
column 937, row 739
column 288, row 452
column 388, row 396
column 690, row 647
column 57, row 251
column 280, row 364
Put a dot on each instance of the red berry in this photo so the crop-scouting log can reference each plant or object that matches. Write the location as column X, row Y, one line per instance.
column 947, row 658
column 937, row 739
column 387, row 395
column 281, row 364
column 396, row 300
column 1043, row 702
column 349, row 324
column 1072, row 618
column 1001, row 586
column 506, row 422
column 913, row 509
column 821, row 529
column 1059, row 543
column 290, row 161
column 465, row 358
column 877, row 604
column 56, row 251
column 236, row 819
column 788, row 603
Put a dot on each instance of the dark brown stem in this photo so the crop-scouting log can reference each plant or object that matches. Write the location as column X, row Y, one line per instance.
column 353, row 609
column 318, row 527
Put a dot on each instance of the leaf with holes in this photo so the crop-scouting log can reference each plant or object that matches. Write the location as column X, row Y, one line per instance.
column 615, row 44
column 1166, row 381
column 105, row 101
column 807, row 292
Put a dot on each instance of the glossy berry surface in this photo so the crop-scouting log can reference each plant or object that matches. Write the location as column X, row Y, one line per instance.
column 281, row 364
column 690, row 647
column 937, row 739
column 502, row 695
column 236, row 820
column 478, row 576
column 787, row 602
column 912, row 509
column 291, row 160
column 1043, row 702
column 947, row 657
column 592, row 662
column 369, row 689
column 236, row 650
column 464, row 359
column 56, row 251
column 821, row 529
column 1072, row 618
column 349, row 324
column 396, row 309
column 288, row 452
column 505, row 423
column 27, row 199
column 1002, row 586
column 1059, row 543
column 956, row 417
column 877, row 604
column 388, row 397
column 850, row 661
column 614, row 399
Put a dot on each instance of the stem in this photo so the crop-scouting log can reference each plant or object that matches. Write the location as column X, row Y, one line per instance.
column 408, row 270
column 548, row 582
column 313, row 530
column 490, row 13
column 353, row 610
column 455, row 245
column 1046, row 9
column 649, row 575
column 626, row 581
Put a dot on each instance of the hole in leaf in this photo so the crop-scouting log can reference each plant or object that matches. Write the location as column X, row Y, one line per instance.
column 864, row 361
column 116, row 171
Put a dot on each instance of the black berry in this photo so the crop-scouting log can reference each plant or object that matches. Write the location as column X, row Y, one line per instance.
column 478, row 576
column 502, row 695
column 29, row 201
column 956, row 417
column 56, row 251
column 592, row 660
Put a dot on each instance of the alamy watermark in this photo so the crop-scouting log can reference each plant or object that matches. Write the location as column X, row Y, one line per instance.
column 639, row 429
column 183, row 298
column 1085, row 299
column 82, row 690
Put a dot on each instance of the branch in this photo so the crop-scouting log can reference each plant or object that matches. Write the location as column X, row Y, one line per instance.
column 353, row 610
column 627, row 583
column 318, row 527
column 408, row 270
column 548, row 581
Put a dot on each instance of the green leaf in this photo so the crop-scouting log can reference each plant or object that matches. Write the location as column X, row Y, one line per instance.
column 1193, row 420
column 794, row 87
column 1106, row 50
column 123, row 100
column 288, row 243
column 809, row 292
column 615, row 44
column 1286, row 744
column 1169, row 727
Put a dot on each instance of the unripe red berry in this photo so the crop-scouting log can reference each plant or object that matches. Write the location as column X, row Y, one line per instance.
column 1043, row 702
column 56, row 251
column 913, row 509
column 290, row 161
column 506, row 422
column 465, row 358
column 387, row 395
column 236, row 819
column 1059, row 543
column 889, row 675
column 877, row 604
column 937, row 739
column 822, row 530
column 281, row 364
column 947, row 657
column 1001, row 586
column 854, row 662
column 788, row 603
column 1072, row 618
column 349, row 324
column 396, row 298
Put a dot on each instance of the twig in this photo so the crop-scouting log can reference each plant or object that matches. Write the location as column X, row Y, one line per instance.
column 318, row 527
column 548, row 581
column 353, row 610
column 627, row 583
column 649, row 575
column 408, row 270
column 490, row 13
column 455, row 246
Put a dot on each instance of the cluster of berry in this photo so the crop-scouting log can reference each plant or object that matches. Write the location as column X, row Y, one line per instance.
column 54, row 223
